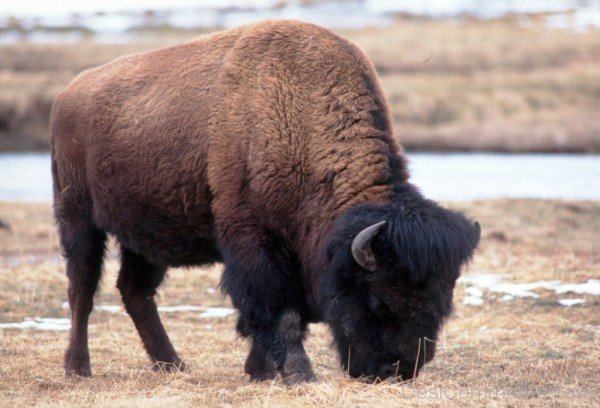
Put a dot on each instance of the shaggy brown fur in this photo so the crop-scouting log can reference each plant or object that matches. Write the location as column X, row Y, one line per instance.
column 244, row 146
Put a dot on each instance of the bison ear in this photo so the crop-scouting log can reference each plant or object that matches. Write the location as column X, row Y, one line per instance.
column 361, row 247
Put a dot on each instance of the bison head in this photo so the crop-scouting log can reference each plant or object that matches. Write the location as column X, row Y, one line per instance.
column 391, row 271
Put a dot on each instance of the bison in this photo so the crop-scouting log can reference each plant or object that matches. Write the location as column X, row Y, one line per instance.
column 269, row 148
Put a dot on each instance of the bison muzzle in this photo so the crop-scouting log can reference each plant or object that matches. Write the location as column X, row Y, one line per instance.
column 268, row 148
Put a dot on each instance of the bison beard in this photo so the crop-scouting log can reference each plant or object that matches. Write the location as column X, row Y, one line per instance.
column 268, row 148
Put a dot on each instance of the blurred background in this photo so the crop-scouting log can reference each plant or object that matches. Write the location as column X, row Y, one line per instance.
column 495, row 77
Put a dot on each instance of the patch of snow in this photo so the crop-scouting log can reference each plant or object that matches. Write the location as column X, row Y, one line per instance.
column 473, row 291
column 591, row 287
column 109, row 308
column 181, row 308
column 207, row 312
column 102, row 308
column 571, row 302
column 473, row 301
column 523, row 289
column 483, row 280
column 492, row 282
column 582, row 19
column 217, row 312
column 40, row 323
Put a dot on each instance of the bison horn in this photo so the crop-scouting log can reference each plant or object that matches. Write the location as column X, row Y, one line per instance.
column 361, row 247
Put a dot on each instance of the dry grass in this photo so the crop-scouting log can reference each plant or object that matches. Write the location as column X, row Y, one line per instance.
column 467, row 85
column 488, row 85
column 527, row 352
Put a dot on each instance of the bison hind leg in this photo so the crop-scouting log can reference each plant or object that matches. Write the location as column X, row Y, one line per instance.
column 137, row 282
column 84, row 247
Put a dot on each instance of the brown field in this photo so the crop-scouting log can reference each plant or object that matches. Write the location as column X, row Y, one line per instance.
column 527, row 352
column 468, row 85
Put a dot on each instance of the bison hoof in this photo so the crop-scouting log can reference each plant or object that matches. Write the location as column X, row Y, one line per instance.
column 298, row 378
column 169, row 366
column 297, row 370
column 77, row 366
column 262, row 375
column 260, row 367
column 260, row 371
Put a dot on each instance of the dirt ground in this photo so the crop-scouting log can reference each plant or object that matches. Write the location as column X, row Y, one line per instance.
column 523, row 352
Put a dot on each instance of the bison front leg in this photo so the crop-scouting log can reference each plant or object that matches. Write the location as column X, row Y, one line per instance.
column 259, row 364
column 265, row 285
column 291, row 359
column 279, row 350
column 138, row 280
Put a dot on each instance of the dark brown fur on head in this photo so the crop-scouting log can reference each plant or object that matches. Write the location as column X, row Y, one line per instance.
column 253, row 146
